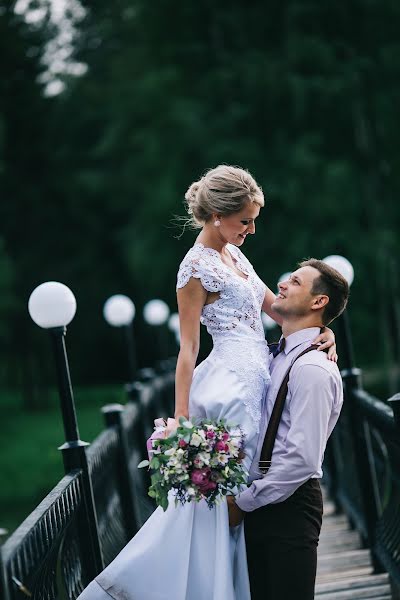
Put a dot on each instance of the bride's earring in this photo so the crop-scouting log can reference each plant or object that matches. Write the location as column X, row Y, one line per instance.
column 217, row 223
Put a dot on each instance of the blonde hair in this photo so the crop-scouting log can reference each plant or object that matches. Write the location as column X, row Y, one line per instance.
column 224, row 190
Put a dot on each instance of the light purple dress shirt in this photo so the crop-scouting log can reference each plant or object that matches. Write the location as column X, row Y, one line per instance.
column 312, row 407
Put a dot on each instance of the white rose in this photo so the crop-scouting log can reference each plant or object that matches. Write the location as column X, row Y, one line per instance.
column 204, row 457
column 195, row 440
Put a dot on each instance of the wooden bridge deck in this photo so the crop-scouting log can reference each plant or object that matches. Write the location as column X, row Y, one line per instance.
column 344, row 569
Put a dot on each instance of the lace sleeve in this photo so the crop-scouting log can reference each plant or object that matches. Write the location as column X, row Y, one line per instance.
column 200, row 266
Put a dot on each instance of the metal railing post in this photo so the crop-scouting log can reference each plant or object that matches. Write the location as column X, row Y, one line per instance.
column 4, row 587
column 113, row 418
column 362, row 451
column 394, row 403
column 360, row 440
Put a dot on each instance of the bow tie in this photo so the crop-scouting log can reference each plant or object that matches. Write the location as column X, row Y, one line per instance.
column 279, row 347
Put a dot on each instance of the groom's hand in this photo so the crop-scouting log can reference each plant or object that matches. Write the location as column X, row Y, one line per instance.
column 235, row 513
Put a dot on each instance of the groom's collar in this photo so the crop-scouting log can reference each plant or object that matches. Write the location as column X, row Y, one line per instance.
column 300, row 337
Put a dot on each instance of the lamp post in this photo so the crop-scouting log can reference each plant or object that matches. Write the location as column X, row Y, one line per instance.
column 345, row 268
column 119, row 311
column 156, row 313
column 52, row 306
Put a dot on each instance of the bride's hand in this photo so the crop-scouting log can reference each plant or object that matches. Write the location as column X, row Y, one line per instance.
column 172, row 425
column 235, row 513
column 327, row 341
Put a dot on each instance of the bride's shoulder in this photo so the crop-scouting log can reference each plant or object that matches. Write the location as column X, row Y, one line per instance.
column 200, row 253
column 202, row 263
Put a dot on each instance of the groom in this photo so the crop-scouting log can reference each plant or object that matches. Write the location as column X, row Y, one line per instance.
column 283, row 508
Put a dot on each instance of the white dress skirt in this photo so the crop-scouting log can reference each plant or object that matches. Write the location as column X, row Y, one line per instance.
column 188, row 552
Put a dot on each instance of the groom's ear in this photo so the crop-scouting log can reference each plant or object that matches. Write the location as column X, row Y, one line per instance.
column 319, row 302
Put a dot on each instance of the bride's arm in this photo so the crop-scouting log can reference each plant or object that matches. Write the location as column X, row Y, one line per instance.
column 269, row 298
column 191, row 300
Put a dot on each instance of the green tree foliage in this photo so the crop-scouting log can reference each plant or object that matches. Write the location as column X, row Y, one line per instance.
column 302, row 93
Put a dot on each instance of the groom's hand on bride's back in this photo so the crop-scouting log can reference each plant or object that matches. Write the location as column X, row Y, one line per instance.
column 235, row 513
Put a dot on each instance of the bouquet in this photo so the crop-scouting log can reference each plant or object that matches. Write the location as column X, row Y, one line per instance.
column 197, row 461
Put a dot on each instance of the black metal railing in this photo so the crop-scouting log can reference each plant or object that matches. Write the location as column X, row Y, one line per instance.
column 52, row 554
column 362, row 470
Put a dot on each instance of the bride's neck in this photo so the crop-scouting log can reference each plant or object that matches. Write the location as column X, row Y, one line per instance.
column 211, row 238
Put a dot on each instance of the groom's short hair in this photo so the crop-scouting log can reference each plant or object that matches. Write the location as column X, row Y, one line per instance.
column 332, row 284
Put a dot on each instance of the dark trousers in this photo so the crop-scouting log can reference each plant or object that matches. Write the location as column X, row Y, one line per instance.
column 281, row 542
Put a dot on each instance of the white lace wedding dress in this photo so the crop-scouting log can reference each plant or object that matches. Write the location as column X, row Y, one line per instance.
column 189, row 552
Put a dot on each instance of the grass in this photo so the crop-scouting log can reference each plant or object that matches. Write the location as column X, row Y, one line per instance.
column 30, row 463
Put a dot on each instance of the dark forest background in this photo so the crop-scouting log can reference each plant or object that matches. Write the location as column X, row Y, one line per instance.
column 303, row 93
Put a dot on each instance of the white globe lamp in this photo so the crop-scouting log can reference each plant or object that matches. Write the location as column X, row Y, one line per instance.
column 156, row 312
column 51, row 305
column 341, row 264
column 119, row 310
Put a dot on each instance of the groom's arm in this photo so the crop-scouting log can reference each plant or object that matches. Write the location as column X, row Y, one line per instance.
column 315, row 392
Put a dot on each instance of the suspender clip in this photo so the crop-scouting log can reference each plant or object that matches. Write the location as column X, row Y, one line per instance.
column 264, row 466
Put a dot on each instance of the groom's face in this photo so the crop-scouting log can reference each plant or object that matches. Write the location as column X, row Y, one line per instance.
column 295, row 297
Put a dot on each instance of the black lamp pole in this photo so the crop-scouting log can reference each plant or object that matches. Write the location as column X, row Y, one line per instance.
column 74, row 454
column 347, row 358
column 130, row 343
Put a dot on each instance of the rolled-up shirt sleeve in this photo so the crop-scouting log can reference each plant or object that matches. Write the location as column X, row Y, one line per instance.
column 313, row 391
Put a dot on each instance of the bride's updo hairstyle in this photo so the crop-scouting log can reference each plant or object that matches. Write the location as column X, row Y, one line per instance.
column 224, row 190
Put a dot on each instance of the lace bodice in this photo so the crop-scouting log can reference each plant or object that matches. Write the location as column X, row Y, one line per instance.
column 234, row 319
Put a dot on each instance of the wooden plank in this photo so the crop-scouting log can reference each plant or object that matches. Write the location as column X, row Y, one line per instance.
column 353, row 583
column 361, row 594
column 344, row 570
column 344, row 560
column 344, row 574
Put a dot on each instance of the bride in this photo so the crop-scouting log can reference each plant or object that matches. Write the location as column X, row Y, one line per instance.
column 189, row 552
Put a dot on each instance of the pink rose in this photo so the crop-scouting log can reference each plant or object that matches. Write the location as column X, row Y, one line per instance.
column 199, row 476
column 220, row 447
column 211, row 486
column 225, row 437
column 210, row 435
column 182, row 444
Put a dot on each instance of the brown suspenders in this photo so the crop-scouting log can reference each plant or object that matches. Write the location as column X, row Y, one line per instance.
column 273, row 424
